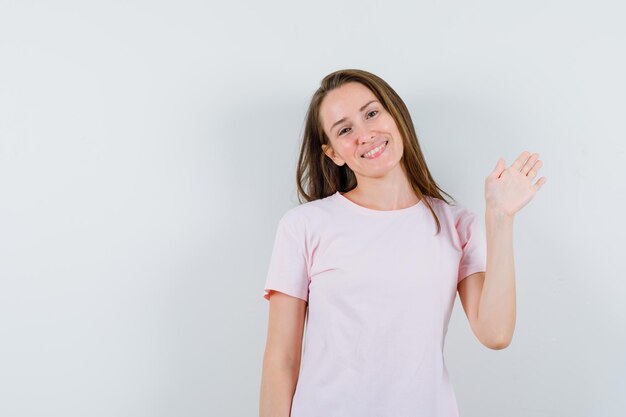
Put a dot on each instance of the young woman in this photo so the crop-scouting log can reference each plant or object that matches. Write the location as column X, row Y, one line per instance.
column 372, row 261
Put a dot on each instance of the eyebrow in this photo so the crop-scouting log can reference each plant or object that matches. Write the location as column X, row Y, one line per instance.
column 345, row 118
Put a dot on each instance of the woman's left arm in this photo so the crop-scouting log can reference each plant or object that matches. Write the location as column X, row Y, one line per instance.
column 507, row 190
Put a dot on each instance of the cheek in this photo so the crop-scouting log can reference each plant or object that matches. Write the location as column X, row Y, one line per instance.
column 399, row 145
column 396, row 132
column 389, row 124
column 347, row 148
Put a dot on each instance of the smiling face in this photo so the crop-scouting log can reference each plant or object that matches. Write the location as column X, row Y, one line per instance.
column 356, row 122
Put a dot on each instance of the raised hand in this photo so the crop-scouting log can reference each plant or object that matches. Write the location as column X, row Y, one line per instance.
column 507, row 190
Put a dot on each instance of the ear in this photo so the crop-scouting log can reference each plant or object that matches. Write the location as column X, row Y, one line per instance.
column 330, row 152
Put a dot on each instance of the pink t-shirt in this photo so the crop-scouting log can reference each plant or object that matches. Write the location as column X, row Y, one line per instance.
column 380, row 287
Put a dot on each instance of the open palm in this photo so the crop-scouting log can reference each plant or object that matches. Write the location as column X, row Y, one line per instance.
column 510, row 189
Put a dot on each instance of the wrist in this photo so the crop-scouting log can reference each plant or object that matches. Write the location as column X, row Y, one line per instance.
column 498, row 214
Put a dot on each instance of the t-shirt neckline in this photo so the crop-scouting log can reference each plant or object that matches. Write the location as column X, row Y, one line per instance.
column 382, row 213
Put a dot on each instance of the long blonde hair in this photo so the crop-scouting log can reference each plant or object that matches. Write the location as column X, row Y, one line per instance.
column 318, row 176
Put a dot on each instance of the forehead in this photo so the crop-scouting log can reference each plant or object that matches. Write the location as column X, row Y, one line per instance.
column 344, row 101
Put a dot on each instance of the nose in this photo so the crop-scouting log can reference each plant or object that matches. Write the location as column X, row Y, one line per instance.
column 364, row 134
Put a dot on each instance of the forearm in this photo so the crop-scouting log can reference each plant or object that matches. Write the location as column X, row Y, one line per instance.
column 496, row 312
column 278, row 383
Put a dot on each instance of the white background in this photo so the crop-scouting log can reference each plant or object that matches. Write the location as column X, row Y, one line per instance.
column 147, row 150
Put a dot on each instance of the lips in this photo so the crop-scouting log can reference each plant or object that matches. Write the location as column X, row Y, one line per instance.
column 384, row 142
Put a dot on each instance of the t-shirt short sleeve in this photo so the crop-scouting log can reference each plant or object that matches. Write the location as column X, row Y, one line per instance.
column 288, row 272
column 473, row 244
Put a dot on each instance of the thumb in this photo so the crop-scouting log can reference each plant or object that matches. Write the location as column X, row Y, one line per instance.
column 500, row 167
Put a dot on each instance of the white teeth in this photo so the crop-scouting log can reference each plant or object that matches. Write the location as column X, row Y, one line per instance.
column 373, row 151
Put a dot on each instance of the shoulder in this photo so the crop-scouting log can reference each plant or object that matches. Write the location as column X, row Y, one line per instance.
column 304, row 223
column 310, row 212
column 457, row 220
column 453, row 212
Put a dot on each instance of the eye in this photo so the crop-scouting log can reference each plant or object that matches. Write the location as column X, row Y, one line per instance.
column 373, row 111
column 341, row 131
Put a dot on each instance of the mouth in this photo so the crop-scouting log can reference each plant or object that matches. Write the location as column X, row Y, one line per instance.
column 376, row 152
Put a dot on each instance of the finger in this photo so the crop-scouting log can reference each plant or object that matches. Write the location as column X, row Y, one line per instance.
column 534, row 170
column 500, row 167
column 530, row 163
column 540, row 182
column 520, row 161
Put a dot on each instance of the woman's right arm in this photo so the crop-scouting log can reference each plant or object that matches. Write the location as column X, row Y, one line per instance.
column 281, row 361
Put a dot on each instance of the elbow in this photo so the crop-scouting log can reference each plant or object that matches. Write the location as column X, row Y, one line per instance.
column 498, row 344
column 495, row 337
